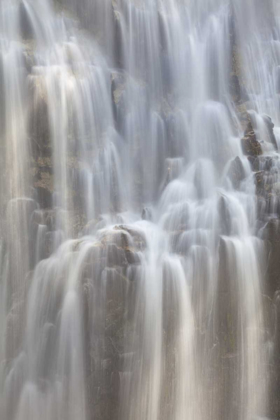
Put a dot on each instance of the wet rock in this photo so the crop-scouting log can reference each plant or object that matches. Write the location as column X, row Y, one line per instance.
column 266, row 163
column 109, row 326
column 77, row 222
column 271, row 236
column 227, row 333
column 138, row 238
column 260, row 182
column 267, row 186
column 236, row 172
column 28, row 61
column 50, row 219
column 225, row 218
column 115, row 256
column 122, row 249
column 133, row 273
column 43, row 181
column 235, row 88
column 175, row 132
column 118, row 88
column 254, row 162
column 175, row 244
column 118, row 38
column 39, row 127
column 146, row 214
column 44, row 190
column 269, row 125
column 278, row 79
column 250, row 145
column 274, row 403
column 269, row 316
column 243, row 115
column 25, row 22
column 132, row 257
column 261, row 209
column 44, row 197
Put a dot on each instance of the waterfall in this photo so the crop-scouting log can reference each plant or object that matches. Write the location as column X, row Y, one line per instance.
column 139, row 180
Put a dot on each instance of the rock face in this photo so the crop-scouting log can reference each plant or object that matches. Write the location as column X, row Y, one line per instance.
column 236, row 172
column 266, row 174
column 110, row 269
column 117, row 256
column 25, row 24
column 250, row 145
column 227, row 335
column 272, row 237
column 269, row 125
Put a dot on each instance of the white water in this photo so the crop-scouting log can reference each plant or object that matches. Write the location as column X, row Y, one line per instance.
column 137, row 294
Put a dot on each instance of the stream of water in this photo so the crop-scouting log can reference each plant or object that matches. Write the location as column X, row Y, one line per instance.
column 131, row 269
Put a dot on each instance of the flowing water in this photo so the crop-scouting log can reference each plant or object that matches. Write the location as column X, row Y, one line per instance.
column 131, row 270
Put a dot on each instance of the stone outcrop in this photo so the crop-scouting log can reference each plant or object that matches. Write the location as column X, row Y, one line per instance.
column 250, row 145
column 111, row 269
column 266, row 175
column 236, row 172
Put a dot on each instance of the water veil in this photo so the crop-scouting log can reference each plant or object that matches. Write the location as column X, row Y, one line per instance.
column 132, row 233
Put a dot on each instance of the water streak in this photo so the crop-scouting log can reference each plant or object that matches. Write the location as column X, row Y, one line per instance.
column 131, row 274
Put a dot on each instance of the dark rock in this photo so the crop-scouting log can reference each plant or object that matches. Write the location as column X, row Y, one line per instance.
column 115, row 256
column 39, row 126
column 278, row 80
column 254, row 162
column 271, row 234
column 118, row 88
column 118, row 41
column 270, row 126
column 133, row 272
column 261, row 208
column 175, row 132
column 269, row 316
column 122, row 246
column 236, row 172
column 243, row 115
column 44, row 197
column 235, row 88
column 28, row 61
column 146, row 214
column 25, row 22
column 50, row 219
column 274, row 403
column 132, row 257
column 227, row 333
column 260, row 182
column 266, row 163
column 137, row 237
column 250, row 145
column 225, row 219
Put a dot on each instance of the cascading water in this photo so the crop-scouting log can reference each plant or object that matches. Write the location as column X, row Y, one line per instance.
column 132, row 272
